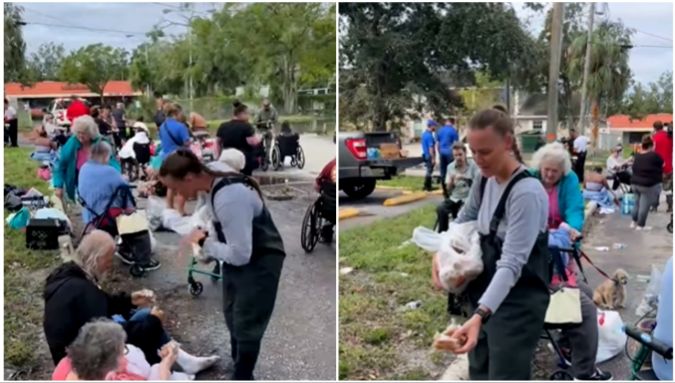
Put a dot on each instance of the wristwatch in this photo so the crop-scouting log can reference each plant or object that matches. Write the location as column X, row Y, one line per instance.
column 482, row 313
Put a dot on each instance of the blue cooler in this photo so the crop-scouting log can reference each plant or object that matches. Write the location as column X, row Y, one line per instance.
column 627, row 204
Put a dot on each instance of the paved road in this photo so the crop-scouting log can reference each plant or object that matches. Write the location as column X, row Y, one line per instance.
column 643, row 249
column 372, row 210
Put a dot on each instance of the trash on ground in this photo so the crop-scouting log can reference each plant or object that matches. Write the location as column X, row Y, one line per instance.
column 619, row 246
column 346, row 270
column 414, row 305
column 602, row 248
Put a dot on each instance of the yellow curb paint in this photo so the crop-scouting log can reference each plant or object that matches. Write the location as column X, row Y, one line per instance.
column 405, row 198
column 348, row 212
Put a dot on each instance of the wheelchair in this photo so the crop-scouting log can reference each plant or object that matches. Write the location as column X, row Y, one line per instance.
column 319, row 220
column 287, row 146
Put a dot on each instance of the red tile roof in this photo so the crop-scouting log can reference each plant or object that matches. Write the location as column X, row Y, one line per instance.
column 622, row 121
column 51, row 89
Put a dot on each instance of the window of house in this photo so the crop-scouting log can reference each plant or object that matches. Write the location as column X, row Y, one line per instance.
column 538, row 125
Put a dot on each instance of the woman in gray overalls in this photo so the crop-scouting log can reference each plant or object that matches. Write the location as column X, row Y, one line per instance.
column 509, row 299
column 248, row 244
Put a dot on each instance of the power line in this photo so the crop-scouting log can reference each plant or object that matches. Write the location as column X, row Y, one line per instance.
column 654, row 35
column 86, row 28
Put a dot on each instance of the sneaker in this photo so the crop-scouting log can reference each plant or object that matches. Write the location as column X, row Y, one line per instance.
column 152, row 265
column 643, row 228
column 633, row 225
column 598, row 375
column 127, row 259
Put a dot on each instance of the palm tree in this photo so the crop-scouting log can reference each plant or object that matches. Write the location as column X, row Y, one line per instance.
column 609, row 75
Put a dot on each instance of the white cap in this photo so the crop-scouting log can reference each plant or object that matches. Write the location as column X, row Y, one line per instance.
column 233, row 158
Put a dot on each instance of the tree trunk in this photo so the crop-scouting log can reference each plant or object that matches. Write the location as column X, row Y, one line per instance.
column 595, row 113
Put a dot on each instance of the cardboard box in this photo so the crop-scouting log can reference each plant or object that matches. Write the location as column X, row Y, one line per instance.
column 390, row 151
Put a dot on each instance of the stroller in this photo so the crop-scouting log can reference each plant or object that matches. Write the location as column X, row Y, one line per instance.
column 131, row 231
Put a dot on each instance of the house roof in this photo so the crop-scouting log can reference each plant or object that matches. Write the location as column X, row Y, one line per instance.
column 624, row 122
column 53, row 89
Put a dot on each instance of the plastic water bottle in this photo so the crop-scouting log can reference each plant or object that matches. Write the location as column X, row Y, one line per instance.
column 627, row 204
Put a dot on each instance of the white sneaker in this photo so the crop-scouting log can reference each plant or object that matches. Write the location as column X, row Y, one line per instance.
column 643, row 228
column 632, row 225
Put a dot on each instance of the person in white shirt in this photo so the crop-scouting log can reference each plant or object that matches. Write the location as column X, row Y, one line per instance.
column 135, row 153
column 11, row 124
column 618, row 167
column 579, row 146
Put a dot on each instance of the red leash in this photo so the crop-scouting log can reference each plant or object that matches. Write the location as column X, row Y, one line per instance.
column 604, row 274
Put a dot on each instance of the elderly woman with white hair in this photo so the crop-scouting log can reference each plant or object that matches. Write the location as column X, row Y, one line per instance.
column 74, row 154
column 73, row 297
column 553, row 166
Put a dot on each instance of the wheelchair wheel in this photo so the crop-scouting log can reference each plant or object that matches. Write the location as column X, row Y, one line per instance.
column 311, row 228
column 195, row 288
column 276, row 157
column 561, row 375
column 300, row 155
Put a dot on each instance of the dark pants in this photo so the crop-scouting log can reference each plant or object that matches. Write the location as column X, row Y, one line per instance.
column 583, row 337
column 579, row 166
column 444, row 161
column 13, row 131
column 621, row 177
column 430, row 170
column 645, row 198
column 444, row 210
column 249, row 293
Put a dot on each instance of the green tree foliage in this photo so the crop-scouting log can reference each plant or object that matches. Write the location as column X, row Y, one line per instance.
column 95, row 65
column 656, row 97
column 286, row 46
column 609, row 75
column 15, row 66
column 401, row 53
column 45, row 64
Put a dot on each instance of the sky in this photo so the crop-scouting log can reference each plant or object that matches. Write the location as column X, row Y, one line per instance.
column 130, row 22
column 653, row 23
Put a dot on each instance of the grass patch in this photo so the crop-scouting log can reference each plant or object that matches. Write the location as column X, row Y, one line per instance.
column 24, row 273
column 413, row 183
column 373, row 320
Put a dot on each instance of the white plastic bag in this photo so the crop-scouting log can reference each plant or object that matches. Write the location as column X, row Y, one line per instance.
column 459, row 254
column 611, row 337
column 650, row 301
column 154, row 211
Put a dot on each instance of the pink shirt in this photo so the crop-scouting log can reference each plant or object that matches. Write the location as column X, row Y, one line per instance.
column 82, row 157
column 554, row 217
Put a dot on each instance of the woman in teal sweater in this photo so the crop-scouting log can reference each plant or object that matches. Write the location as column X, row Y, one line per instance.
column 74, row 154
column 553, row 167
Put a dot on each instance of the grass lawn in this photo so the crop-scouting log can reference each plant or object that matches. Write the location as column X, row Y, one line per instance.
column 413, row 183
column 24, row 273
column 378, row 338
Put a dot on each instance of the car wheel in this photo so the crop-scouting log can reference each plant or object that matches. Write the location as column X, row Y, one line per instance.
column 359, row 189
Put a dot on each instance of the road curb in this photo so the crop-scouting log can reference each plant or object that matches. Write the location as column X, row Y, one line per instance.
column 405, row 198
column 348, row 212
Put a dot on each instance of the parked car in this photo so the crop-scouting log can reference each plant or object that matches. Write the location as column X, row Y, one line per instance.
column 358, row 175
column 57, row 108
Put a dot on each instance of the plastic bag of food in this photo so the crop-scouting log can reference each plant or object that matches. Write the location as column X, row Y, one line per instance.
column 650, row 300
column 611, row 337
column 459, row 254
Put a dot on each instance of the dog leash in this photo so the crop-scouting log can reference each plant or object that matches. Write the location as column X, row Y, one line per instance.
column 588, row 259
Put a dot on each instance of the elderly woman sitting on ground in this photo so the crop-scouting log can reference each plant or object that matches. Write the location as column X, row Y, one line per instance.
column 99, row 353
column 73, row 297
column 553, row 166
column 74, row 154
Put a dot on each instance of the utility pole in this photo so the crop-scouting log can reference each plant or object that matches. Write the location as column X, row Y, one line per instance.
column 554, row 72
column 583, row 126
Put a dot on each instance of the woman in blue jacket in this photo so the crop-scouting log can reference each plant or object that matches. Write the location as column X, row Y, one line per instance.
column 74, row 154
column 553, row 167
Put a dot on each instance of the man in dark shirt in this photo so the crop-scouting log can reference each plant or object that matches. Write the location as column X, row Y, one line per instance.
column 239, row 134
column 120, row 120
column 159, row 116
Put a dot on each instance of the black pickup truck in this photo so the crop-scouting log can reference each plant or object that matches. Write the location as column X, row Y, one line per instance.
column 357, row 174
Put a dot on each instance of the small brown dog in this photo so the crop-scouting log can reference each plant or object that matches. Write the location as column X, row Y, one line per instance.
column 611, row 294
